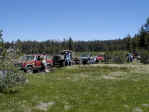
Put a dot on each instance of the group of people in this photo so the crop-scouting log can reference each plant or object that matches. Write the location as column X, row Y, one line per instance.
column 132, row 56
column 68, row 58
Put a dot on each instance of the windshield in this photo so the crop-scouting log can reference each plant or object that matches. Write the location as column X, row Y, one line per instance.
column 26, row 58
column 49, row 57
column 84, row 55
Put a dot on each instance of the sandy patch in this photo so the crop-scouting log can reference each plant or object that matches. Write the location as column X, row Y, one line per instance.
column 67, row 107
column 145, row 105
column 118, row 74
column 44, row 106
column 137, row 109
column 108, row 77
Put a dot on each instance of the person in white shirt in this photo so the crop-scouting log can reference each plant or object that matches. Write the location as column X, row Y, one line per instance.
column 44, row 62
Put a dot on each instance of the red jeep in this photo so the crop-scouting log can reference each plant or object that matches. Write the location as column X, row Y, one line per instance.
column 99, row 58
column 31, row 63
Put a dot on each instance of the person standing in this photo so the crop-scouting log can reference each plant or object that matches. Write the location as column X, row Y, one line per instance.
column 130, row 57
column 44, row 62
column 68, row 58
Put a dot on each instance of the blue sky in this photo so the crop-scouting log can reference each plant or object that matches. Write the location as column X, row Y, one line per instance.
column 81, row 19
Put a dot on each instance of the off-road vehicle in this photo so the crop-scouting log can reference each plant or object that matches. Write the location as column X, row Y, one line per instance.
column 31, row 63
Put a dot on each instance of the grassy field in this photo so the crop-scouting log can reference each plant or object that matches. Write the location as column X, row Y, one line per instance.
column 95, row 88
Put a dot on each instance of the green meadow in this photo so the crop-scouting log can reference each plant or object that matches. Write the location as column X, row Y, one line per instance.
column 89, row 88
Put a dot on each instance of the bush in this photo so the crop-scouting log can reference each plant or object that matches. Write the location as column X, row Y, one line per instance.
column 144, row 56
column 118, row 60
column 10, row 80
column 118, row 57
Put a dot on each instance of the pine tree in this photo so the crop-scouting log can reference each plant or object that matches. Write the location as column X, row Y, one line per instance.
column 128, row 42
column 70, row 43
column 1, row 42
column 142, row 38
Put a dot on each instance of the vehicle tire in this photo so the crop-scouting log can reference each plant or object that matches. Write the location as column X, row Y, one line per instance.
column 63, row 64
column 29, row 70
column 49, row 67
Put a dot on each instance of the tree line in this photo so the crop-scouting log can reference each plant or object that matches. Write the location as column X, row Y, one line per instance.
column 139, row 41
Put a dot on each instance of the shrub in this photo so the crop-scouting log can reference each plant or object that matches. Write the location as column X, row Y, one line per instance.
column 117, row 60
column 118, row 57
column 144, row 56
column 10, row 80
column 10, row 77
